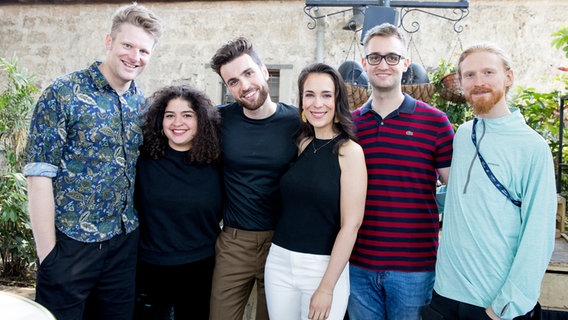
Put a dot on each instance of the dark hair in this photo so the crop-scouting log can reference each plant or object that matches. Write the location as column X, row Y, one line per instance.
column 138, row 16
column 342, row 111
column 205, row 146
column 232, row 50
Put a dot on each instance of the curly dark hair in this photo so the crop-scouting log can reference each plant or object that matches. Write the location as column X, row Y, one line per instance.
column 205, row 146
column 345, row 125
column 232, row 50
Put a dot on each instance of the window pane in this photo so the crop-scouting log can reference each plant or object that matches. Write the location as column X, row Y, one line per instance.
column 274, row 84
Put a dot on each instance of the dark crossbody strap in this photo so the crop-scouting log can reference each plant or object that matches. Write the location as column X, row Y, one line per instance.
column 490, row 174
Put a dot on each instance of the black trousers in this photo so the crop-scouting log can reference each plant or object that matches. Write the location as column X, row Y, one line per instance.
column 444, row 308
column 174, row 292
column 79, row 280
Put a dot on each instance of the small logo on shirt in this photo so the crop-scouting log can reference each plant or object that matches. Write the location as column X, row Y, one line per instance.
column 409, row 133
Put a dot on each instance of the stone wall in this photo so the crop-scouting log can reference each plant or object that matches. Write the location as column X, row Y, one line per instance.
column 50, row 40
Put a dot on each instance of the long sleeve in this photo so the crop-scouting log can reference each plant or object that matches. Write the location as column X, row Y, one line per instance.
column 493, row 253
column 521, row 289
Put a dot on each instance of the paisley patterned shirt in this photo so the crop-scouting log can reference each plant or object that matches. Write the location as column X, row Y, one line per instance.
column 85, row 137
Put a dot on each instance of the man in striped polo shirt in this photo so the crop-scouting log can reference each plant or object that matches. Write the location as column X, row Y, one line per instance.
column 408, row 146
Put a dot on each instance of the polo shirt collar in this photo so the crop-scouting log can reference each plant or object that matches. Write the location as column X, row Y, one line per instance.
column 408, row 105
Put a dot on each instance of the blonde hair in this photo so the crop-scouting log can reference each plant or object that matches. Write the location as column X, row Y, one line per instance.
column 138, row 16
column 486, row 47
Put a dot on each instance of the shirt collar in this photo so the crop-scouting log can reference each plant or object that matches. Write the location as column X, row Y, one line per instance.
column 408, row 105
column 102, row 83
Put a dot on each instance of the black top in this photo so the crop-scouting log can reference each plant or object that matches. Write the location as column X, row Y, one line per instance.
column 255, row 155
column 310, row 195
column 179, row 205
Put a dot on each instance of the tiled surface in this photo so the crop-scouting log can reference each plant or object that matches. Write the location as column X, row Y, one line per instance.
column 24, row 292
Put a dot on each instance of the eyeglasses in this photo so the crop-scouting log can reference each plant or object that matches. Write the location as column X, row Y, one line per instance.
column 392, row 59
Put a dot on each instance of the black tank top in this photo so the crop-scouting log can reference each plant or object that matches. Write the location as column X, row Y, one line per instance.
column 310, row 190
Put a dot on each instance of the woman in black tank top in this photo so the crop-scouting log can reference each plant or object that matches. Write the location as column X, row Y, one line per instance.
column 323, row 196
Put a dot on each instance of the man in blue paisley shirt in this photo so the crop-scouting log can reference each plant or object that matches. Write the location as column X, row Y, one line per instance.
column 80, row 166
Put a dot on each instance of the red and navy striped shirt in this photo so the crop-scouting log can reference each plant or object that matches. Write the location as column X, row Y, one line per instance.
column 402, row 152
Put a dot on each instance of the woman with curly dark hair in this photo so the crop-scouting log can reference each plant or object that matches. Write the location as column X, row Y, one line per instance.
column 178, row 196
column 205, row 144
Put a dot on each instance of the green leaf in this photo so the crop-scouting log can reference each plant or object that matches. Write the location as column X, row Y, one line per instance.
column 560, row 39
column 16, row 100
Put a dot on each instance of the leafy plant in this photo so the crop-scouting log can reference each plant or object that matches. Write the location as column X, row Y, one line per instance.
column 457, row 112
column 16, row 242
column 444, row 68
column 541, row 112
column 560, row 40
column 17, row 248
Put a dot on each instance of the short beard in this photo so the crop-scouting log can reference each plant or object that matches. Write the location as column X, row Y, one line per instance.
column 483, row 105
column 262, row 96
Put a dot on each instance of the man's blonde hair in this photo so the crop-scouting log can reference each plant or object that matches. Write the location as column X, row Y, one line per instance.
column 486, row 47
column 138, row 16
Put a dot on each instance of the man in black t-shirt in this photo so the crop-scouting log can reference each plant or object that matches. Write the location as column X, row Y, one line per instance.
column 258, row 145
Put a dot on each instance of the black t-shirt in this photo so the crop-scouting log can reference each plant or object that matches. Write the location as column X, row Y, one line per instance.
column 179, row 205
column 255, row 155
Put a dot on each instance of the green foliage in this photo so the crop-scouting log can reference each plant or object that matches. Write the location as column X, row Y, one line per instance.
column 560, row 40
column 16, row 99
column 541, row 112
column 17, row 248
column 457, row 112
column 444, row 68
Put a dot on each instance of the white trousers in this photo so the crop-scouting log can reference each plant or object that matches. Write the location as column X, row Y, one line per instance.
column 290, row 279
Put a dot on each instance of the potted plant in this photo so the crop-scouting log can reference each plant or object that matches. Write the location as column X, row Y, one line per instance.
column 447, row 83
column 448, row 96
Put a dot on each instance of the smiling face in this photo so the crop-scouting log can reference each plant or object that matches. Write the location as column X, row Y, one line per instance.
column 484, row 80
column 385, row 77
column 180, row 124
column 246, row 81
column 318, row 103
column 128, row 53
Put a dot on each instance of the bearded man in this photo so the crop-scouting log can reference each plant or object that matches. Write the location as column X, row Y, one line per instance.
column 499, row 215
column 257, row 146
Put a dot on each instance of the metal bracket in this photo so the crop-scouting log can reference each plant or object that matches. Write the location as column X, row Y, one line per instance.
column 459, row 15
column 560, row 164
column 312, row 24
column 459, row 12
